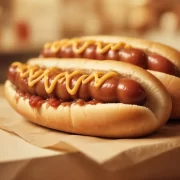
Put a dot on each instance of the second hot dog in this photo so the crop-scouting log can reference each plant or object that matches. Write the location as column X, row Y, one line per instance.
column 99, row 50
column 159, row 59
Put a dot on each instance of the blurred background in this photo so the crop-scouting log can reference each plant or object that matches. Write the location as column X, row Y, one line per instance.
column 25, row 25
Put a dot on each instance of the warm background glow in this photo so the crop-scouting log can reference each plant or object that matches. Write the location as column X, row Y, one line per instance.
column 25, row 25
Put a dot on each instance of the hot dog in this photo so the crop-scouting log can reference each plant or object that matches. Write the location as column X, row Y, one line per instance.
column 81, row 96
column 159, row 59
column 103, row 87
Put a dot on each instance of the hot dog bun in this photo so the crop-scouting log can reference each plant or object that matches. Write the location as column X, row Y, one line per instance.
column 172, row 83
column 104, row 120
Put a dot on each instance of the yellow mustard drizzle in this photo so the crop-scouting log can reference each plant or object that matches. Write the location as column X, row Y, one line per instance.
column 36, row 74
column 101, row 46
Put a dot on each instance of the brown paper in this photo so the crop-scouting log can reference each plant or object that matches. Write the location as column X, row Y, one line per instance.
column 106, row 152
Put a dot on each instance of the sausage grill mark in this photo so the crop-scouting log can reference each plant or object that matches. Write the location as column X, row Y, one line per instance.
column 67, row 86
column 90, row 49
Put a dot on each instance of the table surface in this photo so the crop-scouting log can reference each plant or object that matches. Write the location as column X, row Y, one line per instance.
column 14, row 148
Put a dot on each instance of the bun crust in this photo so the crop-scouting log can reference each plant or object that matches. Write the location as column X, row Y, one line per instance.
column 172, row 83
column 104, row 120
